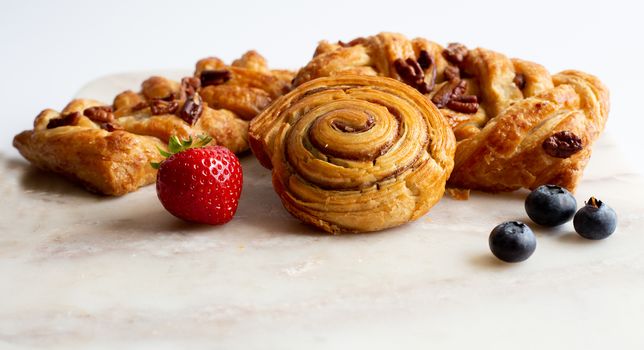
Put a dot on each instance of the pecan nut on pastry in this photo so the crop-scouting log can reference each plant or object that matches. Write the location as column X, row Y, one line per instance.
column 245, row 87
column 148, row 113
column 355, row 153
column 515, row 124
column 218, row 101
column 95, row 153
column 108, row 148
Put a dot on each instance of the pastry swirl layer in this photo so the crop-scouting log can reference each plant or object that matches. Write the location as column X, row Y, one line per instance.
column 355, row 153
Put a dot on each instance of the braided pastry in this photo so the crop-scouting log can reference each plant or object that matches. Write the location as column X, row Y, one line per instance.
column 354, row 153
column 515, row 124
column 108, row 148
column 230, row 96
column 246, row 87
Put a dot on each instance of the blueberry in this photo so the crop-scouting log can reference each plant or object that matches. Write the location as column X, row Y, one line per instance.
column 550, row 205
column 512, row 241
column 595, row 220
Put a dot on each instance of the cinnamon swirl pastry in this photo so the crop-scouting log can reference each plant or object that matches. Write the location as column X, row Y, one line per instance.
column 515, row 124
column 355, row 153
column 108, row 148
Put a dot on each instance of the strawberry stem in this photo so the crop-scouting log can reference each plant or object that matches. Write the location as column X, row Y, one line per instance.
column 176, row 145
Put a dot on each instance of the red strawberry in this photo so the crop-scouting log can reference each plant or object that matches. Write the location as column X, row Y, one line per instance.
column 200, row 184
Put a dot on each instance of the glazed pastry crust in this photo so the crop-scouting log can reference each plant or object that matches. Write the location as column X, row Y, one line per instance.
column 108, row 148
column 355, row 153
column 111, row 163
column 224, row 126
column 519, row 106
column 507, row 153
column 250, row 88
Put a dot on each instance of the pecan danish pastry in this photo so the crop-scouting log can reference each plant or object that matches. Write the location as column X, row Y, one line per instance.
column 355, row 153
column 86, row 144
column 108, row 148
column 515, row 124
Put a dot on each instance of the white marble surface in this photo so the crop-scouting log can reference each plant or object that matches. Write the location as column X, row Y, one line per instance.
column 81, row 271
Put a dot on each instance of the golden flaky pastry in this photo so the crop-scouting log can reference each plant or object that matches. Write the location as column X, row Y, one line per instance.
column 103, row 159
column 355, row 153
column 515, row 124
column 108, row 148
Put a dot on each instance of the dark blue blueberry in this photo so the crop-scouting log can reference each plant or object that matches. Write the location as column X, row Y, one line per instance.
column 550, row 205
column 595, row 220
column 512, row 241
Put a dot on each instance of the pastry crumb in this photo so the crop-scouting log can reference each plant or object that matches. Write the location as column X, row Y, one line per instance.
column 458, row 194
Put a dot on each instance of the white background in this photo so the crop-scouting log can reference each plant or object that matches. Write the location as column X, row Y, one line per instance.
column 50, row 49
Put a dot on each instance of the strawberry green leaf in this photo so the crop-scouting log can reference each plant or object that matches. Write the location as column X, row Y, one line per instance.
column 164, row 153
column 175, row 145
column 203, row 141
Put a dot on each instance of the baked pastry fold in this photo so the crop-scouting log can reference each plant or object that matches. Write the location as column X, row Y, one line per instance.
column 108, row 148
column 354, row 153
column 109, row 162
column 515, row 124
